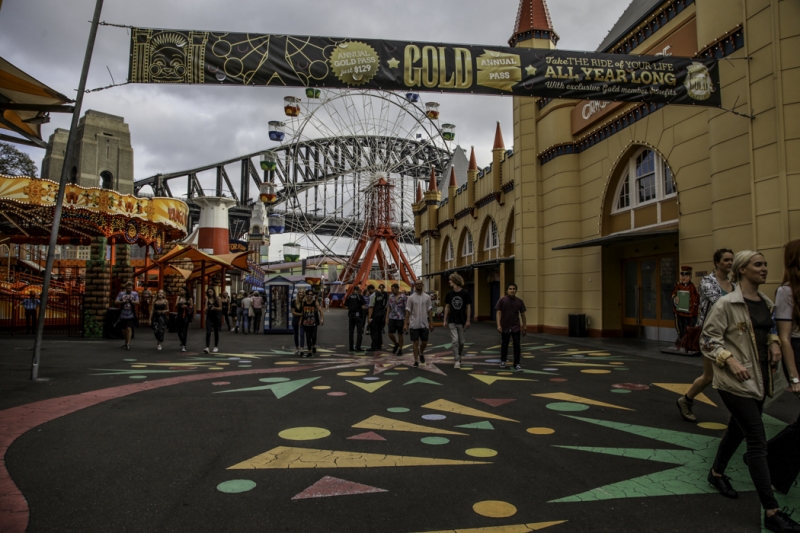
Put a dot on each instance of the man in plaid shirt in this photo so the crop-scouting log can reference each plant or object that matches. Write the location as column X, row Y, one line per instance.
column 30, row 304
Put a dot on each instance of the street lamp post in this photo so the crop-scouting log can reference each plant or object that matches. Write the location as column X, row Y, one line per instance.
column 71, row 141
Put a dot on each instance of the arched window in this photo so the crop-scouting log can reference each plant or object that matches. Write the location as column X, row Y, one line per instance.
column 448, row 253
column 491, row 240
column 106, row 180
column 646, row 178
column 468, row 249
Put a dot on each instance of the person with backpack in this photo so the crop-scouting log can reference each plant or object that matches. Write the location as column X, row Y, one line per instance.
column 377, row 319
column 355, row 304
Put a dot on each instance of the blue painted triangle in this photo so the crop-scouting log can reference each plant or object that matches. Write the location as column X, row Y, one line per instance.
column 478, row 425
column 422, row 380
column 278, row 389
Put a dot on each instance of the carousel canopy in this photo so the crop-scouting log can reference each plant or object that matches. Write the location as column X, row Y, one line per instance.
column 25, row 104
column 200, row 263
column 27, row 206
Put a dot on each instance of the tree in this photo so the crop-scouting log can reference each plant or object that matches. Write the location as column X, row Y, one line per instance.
column 16, row 163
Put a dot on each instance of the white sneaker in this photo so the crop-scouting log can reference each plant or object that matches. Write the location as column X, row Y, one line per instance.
column 183, row 348
column 215, row 350
column 206, row 350
column 457, row 365
column 159, row 348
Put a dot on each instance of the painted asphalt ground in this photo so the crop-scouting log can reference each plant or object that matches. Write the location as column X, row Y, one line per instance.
column 148, row 444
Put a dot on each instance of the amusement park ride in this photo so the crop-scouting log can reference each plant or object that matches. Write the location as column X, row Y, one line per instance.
column 344, row 177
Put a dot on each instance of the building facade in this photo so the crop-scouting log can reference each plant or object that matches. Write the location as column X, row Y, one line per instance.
column 599, row 203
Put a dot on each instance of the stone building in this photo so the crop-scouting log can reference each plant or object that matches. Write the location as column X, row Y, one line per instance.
column 104, row 156
column 599, row 203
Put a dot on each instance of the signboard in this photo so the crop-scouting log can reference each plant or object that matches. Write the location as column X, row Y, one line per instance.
column 681, row 42
column 202, row 57
column 235, row 246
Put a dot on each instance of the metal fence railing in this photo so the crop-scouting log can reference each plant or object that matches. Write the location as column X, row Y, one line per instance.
column 64, row 315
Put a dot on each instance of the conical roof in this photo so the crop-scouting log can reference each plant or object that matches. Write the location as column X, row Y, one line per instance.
column 453, row 182
column 419, row 192
column 432, row 184
column 498, row 139
column 473, row 163
column 532, row 15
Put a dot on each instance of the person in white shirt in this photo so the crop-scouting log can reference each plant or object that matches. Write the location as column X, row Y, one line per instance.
column 258, row 303
column 247, row 303
column 419, row 321
column 327, row 302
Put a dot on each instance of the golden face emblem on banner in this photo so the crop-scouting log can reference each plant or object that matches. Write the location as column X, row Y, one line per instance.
column 499, row 70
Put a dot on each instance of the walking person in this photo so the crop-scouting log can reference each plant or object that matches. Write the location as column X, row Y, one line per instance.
column 419, row 321
column 159, row 315
column 356, row 305
column 712, row 288
column 31, row 306
column 128, row 301
column 185, row 311
column 395, row 318
column 737, row 336
column 457, row 310
column 782, row 454
column 327, row 301
column 511, row 324
column 297, row 323
column 226, row 308
column 376, row 320
column 258, row 310
column 213, row 319
column 245, row 308
column 312, row 318
column 365, row 319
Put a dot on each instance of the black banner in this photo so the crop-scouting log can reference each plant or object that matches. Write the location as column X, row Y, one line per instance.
column 172, row 56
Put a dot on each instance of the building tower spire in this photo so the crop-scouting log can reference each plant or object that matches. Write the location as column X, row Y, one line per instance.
column 533, row 22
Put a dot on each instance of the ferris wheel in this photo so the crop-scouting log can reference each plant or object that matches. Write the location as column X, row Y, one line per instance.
column 336, row 147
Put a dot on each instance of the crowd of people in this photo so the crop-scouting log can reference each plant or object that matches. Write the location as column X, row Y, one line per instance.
column 750, row 346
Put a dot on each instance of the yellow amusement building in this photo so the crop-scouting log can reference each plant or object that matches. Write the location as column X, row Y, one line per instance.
column 598, row 204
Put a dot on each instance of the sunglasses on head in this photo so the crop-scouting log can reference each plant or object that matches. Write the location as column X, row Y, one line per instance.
column 686, row 273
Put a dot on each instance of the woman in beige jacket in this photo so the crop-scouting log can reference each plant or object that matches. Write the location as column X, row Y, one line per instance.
column 738, row 337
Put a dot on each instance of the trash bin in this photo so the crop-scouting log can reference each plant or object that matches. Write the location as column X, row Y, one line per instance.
column 577, row 325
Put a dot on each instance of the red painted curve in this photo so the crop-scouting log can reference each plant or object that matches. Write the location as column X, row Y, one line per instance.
column 15, row 422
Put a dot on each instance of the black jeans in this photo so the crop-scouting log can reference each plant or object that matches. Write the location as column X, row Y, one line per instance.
column 299, row 338
column 213, row 324
column 311, row 337
column 183, row 331
column 255, row 321
column 30, row 320
column 376, row 331
column 226, row 310
column 504, row 346
column 745, row 424
column 355, row 324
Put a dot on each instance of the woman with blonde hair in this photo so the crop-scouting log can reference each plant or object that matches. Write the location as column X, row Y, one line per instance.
column 737, row 336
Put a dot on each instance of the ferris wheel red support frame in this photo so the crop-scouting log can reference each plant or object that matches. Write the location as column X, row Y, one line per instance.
column 377, row 230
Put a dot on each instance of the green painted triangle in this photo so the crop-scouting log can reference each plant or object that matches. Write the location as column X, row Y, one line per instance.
column 278, row 389
column 478, row 425
column 422, row 380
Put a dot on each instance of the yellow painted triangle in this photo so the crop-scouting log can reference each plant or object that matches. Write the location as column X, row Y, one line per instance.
column 450, row 407
column 583, row 364
column 683, row 388
column 369, row 387
column 491, row 379
column 564, row 397
column 289, row 457
column 515, row 528
column 389, row 424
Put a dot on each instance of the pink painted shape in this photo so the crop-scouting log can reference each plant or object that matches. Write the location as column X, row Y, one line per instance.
column 333, row 486
column 15, row 422
column 217, row 383
column 630, row 386
column 495, row 402
column 558, row 380
column 337, row 394
column 369, row 435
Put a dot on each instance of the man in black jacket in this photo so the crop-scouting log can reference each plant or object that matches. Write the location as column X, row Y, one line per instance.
column 355, row 304
column 377, row 319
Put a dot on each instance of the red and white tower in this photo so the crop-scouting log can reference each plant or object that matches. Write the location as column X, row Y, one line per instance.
column 213, row 235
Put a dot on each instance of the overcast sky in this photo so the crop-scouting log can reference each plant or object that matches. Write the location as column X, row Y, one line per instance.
column 177, row 127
